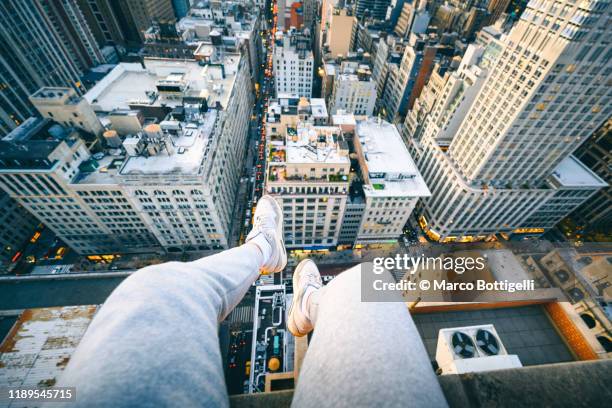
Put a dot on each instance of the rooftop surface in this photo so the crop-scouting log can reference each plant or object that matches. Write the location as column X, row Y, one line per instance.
column 343, row 118
column 385, row 153
column 34, row 140
column 316, row 144
column 572, row 173
column 40, row 344
column 504, row 265
column 318, row 108
column 190, row 149
column 525, row 331
column 108, row 166
column 131, row 83
column 55, row 95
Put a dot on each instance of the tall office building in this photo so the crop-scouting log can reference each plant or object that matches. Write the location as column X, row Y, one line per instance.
column 595, row 215
column 376, row 9
column 308, row 171
column 110, row 22
column 390, row 180
column 74, row 32
column 181, row 8
column 496, row 8
column 354, row 90
column 546, row 95
column 293, row 64
column 339, row 36
column 168, row 176
column 407, row 78
column 33, row 56
column 311, row 8
column 509, row 166
column 144, row 12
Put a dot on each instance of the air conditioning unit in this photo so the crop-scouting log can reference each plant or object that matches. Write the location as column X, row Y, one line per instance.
column 472, row 349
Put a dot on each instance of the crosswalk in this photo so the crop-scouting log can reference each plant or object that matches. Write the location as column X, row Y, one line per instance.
column 241, row 314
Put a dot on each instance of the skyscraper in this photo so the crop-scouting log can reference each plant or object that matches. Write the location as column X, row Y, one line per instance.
column 354, row 91
column 110, row 22
column 310, row 12
column 508, row 167
column 72, row 29
column 545, row 96
column 32, row 55
column 169, row 182
column 293, row 64
column 496, row 8
column 376, row 9
column 596, row 214
column 308, row 171
column 181, row 7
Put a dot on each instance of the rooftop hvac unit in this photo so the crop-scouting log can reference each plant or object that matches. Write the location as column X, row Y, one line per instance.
column 134, row 145
column 472, row 349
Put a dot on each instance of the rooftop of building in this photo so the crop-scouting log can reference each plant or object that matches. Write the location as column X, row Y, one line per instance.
column 56, row 95
column 30, row 144
column 288, row 105
column 390, row 167
column 525, row 331
column 190, row 148
column 180, row 149
column 102, row 170
column 354, row 72
column 571, row 172
column 42, row 342
column 317, row 144
column 158, row 82
column 318, row 108
column 343, row 118
column 294, row 42
column 330, row 69
column 40, row 345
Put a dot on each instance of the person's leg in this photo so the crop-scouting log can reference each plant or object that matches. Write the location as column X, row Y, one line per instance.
column 155, row 340
column 361, row 354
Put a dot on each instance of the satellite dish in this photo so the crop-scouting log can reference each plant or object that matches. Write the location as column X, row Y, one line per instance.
column 463, row 345
column 487, row 342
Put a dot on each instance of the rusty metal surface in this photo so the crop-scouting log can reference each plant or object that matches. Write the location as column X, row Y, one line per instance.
column 40, row 344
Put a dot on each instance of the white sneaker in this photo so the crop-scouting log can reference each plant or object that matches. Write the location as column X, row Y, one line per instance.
column 306, row 275
column 268, row 223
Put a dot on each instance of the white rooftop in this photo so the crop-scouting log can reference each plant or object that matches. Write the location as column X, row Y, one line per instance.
column 386, row 154
column 190, row 149
column 315, row 144
column 131, row 83
column 343, row 118
column 318, row 108
column 572, row 173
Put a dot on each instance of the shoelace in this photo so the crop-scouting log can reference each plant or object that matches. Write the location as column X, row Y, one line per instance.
column 263, row 221
column 313, row 280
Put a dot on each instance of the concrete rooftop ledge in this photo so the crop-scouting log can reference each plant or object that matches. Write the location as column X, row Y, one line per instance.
column 576, row 384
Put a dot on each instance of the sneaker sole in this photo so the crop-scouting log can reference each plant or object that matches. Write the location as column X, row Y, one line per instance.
column 280, row 242
column 295, row 302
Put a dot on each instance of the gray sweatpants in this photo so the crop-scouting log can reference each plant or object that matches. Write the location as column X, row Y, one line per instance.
column 155, row 342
